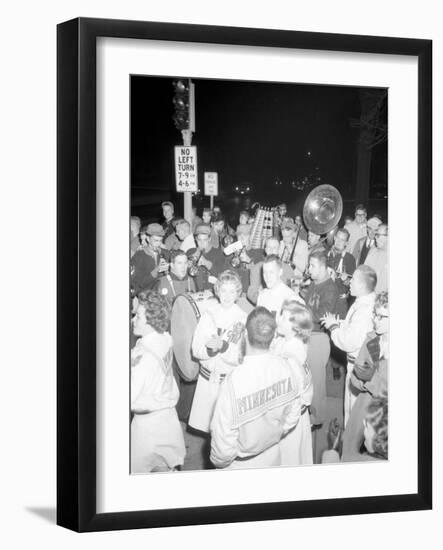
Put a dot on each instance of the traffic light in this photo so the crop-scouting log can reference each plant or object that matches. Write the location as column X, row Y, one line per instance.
column 181, row 101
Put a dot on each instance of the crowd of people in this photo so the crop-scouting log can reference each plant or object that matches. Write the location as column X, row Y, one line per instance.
column 273, row 319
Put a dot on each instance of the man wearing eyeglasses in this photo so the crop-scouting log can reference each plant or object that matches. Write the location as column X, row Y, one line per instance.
column 357, row 228
column 378, row 258
column 369, row 377
column 364, row 245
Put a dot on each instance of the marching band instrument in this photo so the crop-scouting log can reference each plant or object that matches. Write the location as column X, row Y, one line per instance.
column 238, row 261
column 163, row 265
column 235, row 260
column 263, row 226
column 288, row 257
column 227, row 240
column 194, row 267
column 186, row 312
column 322, row 209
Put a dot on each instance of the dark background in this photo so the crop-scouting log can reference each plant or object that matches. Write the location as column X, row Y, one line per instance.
column 280, row 140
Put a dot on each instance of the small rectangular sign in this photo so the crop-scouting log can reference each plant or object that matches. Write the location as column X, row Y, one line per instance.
column 186, row 168
column 211, row 183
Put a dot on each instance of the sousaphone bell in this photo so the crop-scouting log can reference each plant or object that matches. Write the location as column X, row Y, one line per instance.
column 323, row 209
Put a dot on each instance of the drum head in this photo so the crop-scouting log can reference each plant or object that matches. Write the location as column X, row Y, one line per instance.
column 184, row 319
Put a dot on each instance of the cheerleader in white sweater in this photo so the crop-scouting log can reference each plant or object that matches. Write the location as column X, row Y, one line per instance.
column 294, row 326
column 217, row 344
column 157, row 442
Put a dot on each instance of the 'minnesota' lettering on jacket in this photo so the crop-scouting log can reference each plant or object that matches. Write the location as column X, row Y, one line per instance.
column 264, row 396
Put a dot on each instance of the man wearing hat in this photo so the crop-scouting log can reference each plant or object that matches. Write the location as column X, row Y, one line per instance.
column 293, row 250
column 147, row 263
column 209, row 260
column 364, row 245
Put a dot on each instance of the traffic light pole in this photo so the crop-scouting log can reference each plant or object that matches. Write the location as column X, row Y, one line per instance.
column 187, row 195
column 187, row 142
column 184, row 120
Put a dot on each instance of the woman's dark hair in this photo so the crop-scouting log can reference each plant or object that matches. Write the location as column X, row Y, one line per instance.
column 260, row 326
column 157, row 310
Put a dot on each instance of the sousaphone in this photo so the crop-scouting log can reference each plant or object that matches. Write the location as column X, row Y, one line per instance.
column 323, row 209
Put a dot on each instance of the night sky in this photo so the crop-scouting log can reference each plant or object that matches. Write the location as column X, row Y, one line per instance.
column 250, row 133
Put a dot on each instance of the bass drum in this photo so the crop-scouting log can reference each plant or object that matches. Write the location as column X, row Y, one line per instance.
column 186, row 312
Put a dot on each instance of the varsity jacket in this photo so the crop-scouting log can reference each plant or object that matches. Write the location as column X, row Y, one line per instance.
column 258, row 404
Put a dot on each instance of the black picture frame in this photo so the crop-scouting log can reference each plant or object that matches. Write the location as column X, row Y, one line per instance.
column 76, row 279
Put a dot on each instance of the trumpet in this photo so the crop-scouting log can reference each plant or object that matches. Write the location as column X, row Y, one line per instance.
column 306, row 278
column 163, row 265
column 194, row 267
column 227, row 240
column 287, row 256
column 236, row 260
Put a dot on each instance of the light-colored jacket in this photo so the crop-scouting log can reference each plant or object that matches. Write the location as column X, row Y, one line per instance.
column 188, row 243
column 259, row 402
column 352, row 331
column 378, row 260
column 153, row 386
column 222, row 322
column 273, row 298
column 229, row 325
column 256, row 279
column 356, row 232
column 296, row 353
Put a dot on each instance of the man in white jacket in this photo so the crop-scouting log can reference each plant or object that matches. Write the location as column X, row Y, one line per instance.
column 349, row 334
column 185, row 236
column 276, row 291
column 259, row 402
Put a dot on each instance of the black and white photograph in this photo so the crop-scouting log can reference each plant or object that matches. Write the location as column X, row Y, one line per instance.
column 230, row 216
column 259, row 291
